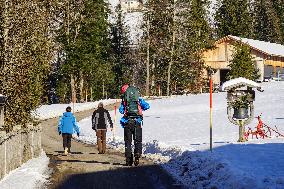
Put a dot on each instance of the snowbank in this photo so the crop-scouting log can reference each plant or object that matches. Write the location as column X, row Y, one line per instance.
column 33, row 174
column 55, row 110
column 176, row 135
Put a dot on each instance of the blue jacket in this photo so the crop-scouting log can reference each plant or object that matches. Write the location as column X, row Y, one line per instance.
column 67, row 124
column 144, row 106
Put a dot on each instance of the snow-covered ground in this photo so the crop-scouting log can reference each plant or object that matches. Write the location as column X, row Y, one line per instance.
column 176, row 135
column 55, row 110
column 32, row 174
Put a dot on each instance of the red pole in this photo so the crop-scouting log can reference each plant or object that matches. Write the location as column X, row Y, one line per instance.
column 211, row 105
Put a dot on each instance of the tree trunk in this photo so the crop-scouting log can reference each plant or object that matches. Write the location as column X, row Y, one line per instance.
column 153, row 79
column 86, row 93
column 172, row 53
column 91, row 89
column 148, row 58
column 81, row 87
column 5, row 33
column 103, row 89
column 73, row 89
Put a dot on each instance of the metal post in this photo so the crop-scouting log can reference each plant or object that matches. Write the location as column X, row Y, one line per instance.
column 211, row 116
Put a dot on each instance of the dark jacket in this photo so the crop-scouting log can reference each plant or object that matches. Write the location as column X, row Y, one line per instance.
column 100, row 118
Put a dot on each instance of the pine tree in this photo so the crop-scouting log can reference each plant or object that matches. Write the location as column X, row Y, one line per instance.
column 96, row 46
column 234, row 18
column 195, row 35
column 84, row 37
column 242, row 64
column 279, row 7
column 266, row 22
column 157, row 41
column 120, row 45
column 177, row 33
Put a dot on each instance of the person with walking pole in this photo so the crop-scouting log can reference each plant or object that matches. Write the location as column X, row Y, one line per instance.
column 100, row 118
column 131, row 107
column 67, row 126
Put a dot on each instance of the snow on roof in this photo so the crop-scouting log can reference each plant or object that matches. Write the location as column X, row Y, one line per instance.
column 273, row 49
column 239, row 82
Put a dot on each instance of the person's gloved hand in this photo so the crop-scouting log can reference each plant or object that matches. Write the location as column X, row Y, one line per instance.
column 78, row 134
column 59, row 132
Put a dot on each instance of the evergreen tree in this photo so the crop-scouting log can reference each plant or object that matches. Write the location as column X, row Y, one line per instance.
column 120, row 51
column 279, row 7
column 195, row 35
column 175, row 33
column 233, row 18
column 84, row 37
column 157, row 41
column 242, row 64
column 267, row 25
column 26, row 49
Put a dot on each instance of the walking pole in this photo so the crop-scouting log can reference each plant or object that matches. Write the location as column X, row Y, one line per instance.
column 73, row 106
column 211, row 103
column 114, row 124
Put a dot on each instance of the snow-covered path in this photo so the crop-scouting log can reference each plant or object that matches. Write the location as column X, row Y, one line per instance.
column 178, row 128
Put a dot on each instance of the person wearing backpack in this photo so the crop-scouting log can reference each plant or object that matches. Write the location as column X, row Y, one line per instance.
column 131, row 107
column 99, row 124
column 67, row 126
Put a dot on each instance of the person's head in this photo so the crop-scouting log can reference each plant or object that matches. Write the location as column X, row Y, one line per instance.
column 124, row 88
column 68, row 109
column 100, row 105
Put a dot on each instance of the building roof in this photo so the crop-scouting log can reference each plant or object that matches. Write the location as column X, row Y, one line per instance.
column 272, row 49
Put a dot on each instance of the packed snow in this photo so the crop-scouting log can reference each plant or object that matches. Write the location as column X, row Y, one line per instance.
column 55, row 110
column 176, row 135
column 239, row 82
column 32, row 174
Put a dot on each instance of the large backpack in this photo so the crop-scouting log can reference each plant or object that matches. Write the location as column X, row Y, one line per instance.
column 131, row 101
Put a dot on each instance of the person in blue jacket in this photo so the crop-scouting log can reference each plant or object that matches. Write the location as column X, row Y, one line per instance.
column 67, row 126
column 132, row 128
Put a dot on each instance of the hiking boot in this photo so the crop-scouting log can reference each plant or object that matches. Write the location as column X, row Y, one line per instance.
column 136, row 161
column 66, row 151
column 129, row 161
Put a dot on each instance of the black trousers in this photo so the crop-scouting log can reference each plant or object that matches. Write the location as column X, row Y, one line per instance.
column 66, row 140
column 133, row 130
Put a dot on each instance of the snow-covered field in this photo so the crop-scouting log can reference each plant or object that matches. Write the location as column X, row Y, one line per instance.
column 33, row 174
column 176, row 135
column 55, row 110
